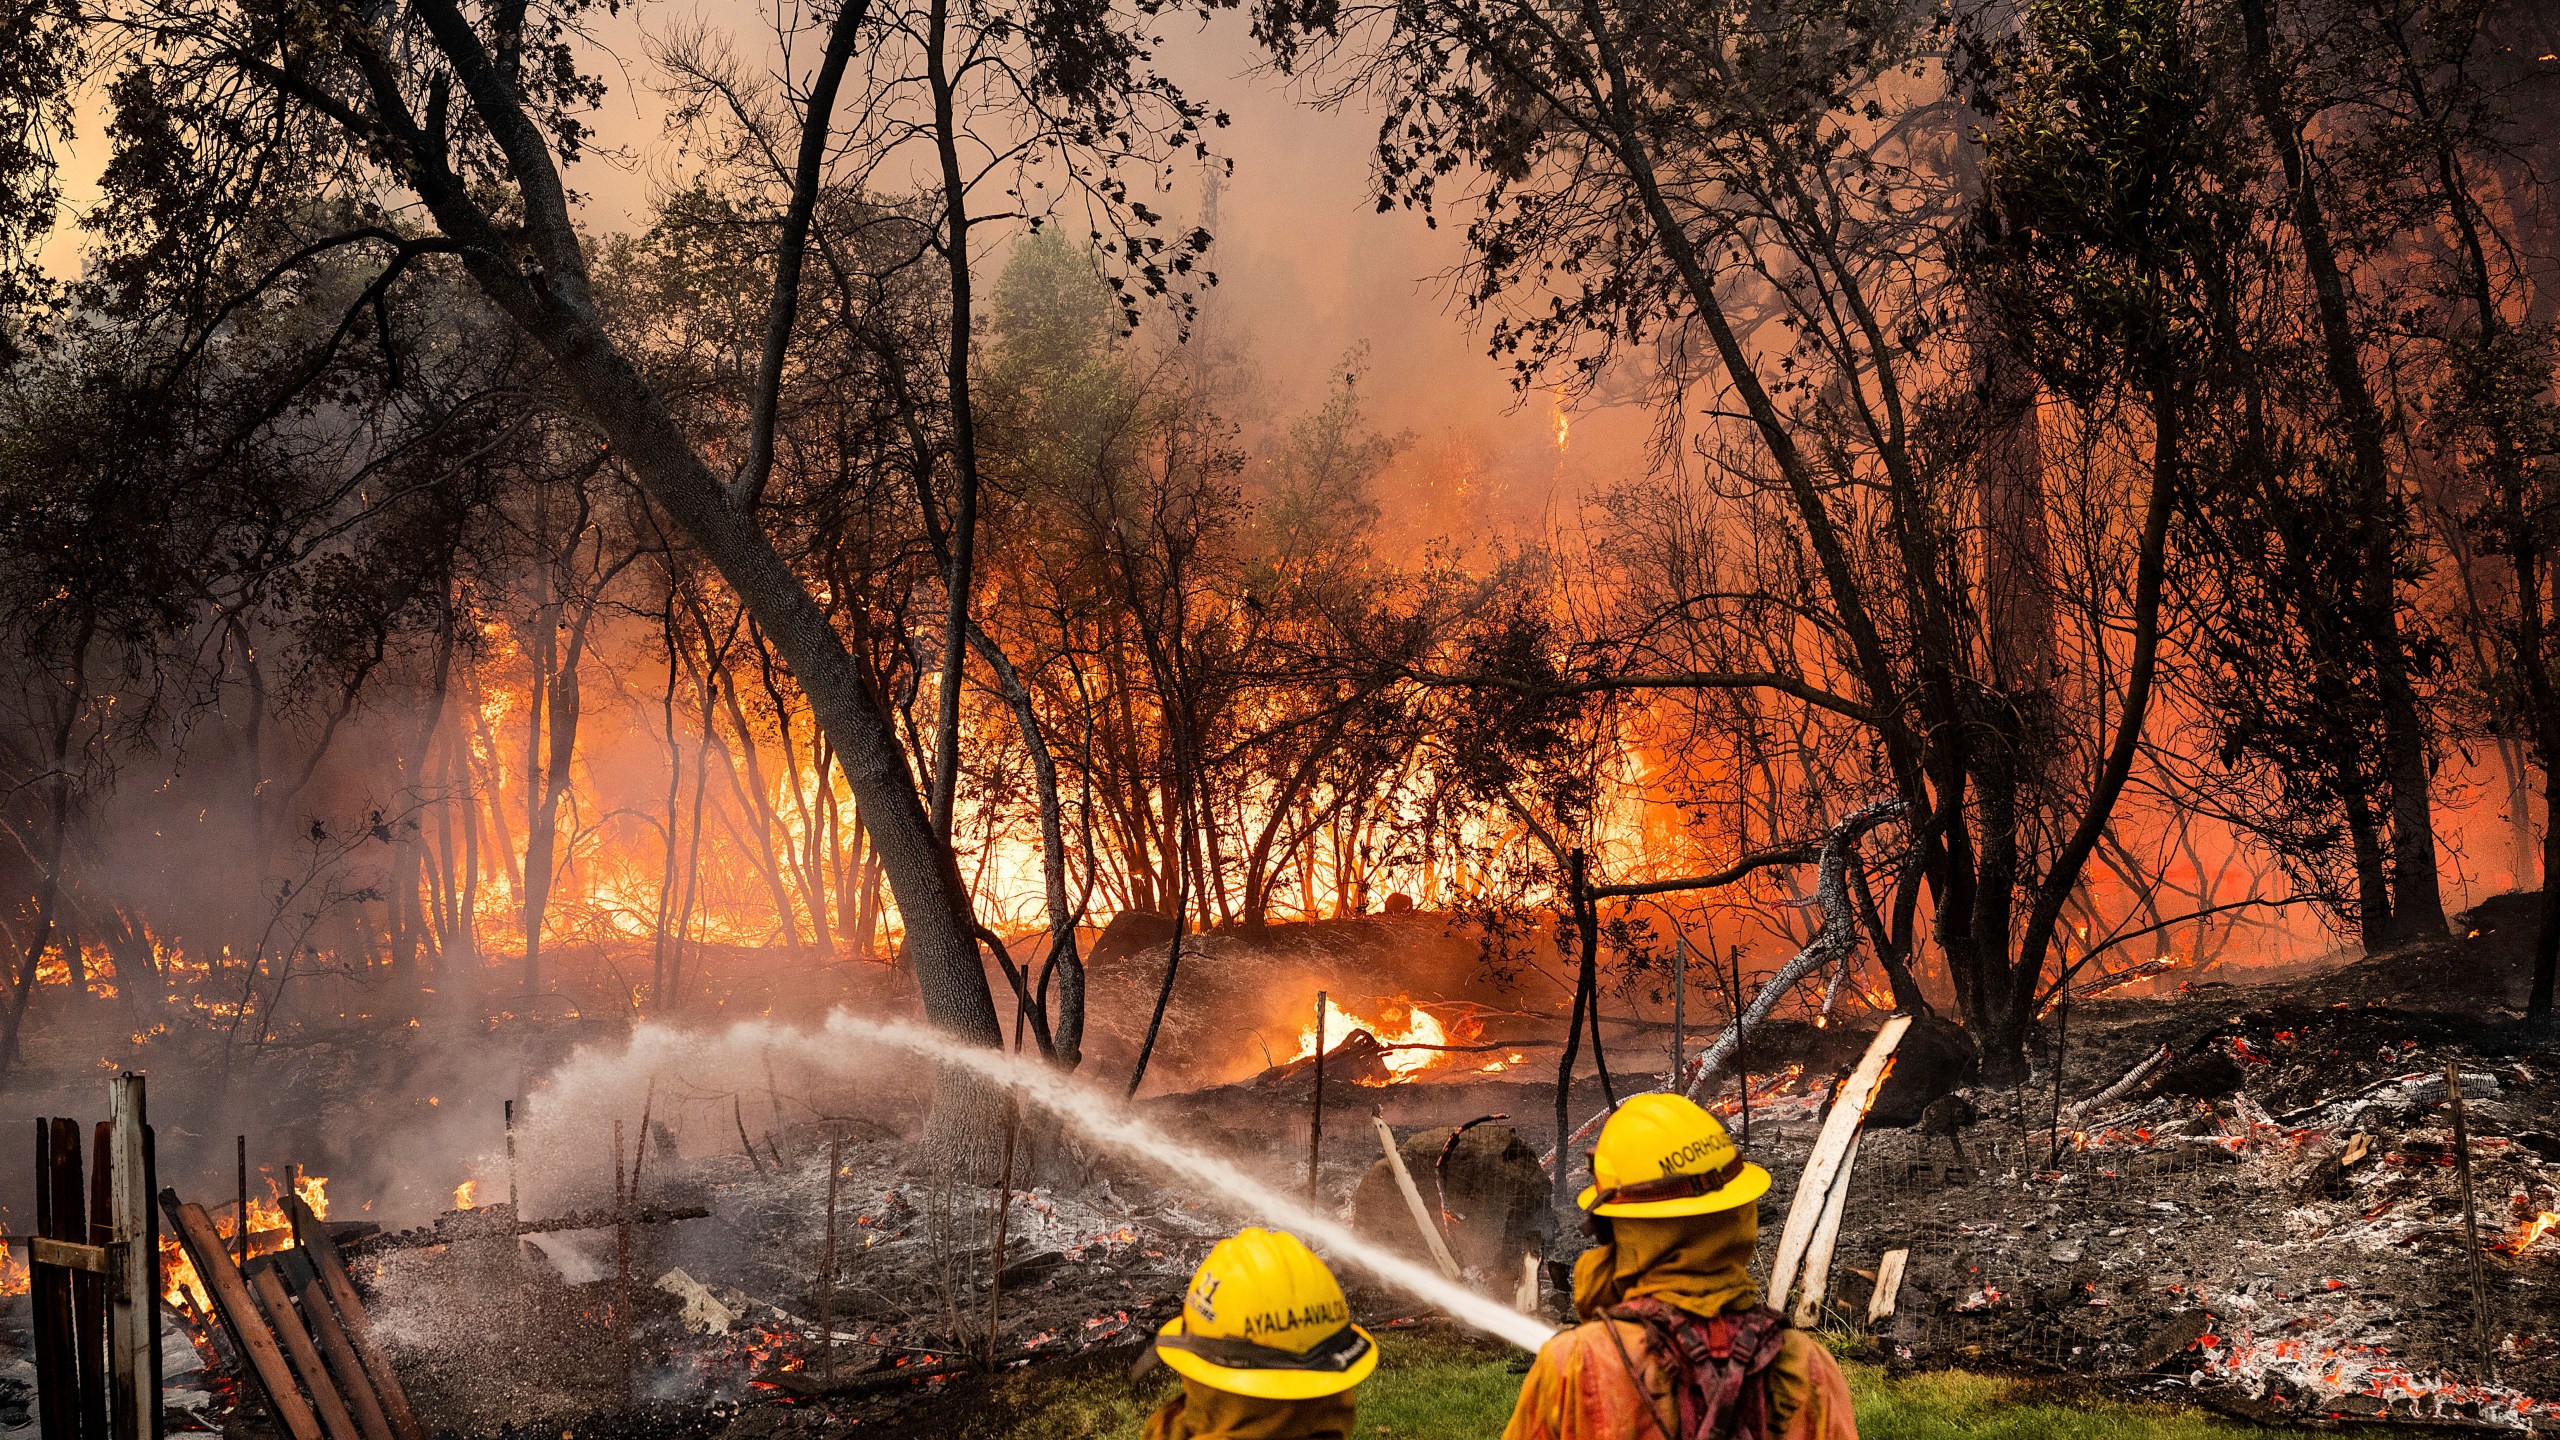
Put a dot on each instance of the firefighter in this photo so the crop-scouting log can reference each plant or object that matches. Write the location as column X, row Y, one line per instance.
column 1675, row 1344
column 1264, row 1345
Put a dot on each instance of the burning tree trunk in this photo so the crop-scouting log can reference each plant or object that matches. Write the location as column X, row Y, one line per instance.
column 2504, row 379
column 408, row 847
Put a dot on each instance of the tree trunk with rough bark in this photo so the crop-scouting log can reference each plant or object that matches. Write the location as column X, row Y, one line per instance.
column 533, row 267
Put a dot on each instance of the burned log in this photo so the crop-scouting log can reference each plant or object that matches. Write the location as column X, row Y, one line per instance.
column 1425, row 1224
column 1358, row 1060
column 495, row 1222
column 1935, row 1059
column 2205, row 1075
column 1131, row 933
column 2132, row 1080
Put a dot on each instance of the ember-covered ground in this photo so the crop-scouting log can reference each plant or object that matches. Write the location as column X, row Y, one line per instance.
column 2185, row 1237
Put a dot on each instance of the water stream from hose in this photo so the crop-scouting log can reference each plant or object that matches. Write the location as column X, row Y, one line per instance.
column 1107, row 1121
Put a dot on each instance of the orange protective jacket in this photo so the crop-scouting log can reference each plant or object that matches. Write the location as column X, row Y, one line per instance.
column 1582, row 1387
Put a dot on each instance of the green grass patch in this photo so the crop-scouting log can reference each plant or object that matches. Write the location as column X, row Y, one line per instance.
column 1436, row 1386
column 1964, row 1405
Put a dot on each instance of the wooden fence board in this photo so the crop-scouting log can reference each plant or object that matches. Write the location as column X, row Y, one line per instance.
column 269, row 1289
column 89, row 1292
column 59, row 1204
column 340, row 1286
column 241, row 1316
column 133, row 1291
column 344, row 1363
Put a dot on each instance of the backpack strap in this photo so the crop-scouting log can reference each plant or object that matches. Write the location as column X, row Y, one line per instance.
column 1719, row 1364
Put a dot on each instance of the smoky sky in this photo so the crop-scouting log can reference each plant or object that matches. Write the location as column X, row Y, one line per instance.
column 1310, row 274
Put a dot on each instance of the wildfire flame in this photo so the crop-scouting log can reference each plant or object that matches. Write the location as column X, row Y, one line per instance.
column 1398, row 1022
column 2530, row 1231
column 270, row 1230
column 466, row 1195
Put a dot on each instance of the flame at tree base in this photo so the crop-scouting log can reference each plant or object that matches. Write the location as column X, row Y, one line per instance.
column 1397, row 1023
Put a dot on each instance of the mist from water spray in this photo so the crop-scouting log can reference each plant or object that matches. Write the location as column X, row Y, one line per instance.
column 595, row 1086
column 1108, row 1122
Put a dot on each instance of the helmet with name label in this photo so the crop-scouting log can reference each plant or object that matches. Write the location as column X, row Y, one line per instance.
column 1661, row 1155
column 1265, row 1318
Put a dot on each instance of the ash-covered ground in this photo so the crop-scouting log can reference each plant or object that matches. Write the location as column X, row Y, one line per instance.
column 2270, row 1222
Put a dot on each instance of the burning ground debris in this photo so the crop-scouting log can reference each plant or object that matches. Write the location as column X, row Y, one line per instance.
column 2265, row 1219
column 2271, row 1221
column 2247, row 1196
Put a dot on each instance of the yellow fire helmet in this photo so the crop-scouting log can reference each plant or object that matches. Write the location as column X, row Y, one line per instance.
column 1265, row 1318
column 1660, row 1155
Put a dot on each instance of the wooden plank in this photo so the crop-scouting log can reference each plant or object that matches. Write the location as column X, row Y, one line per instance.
column 133, row 1281
column 151, row 1217
column 1422, row 1220
column 344, row 1364
column 1826, row 1236
column 240, row 1315
column 269, row 1289
column 70, row 1255
column 340, row 1286
column 49, row 1293
column 1888, row 1286
column 89, row 1294
column 1822, row 1165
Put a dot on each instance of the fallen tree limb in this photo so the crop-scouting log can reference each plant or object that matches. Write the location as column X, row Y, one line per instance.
column 2149, row 1066
column 1837, row 939
column 454, row 1228
column 1826, row 1238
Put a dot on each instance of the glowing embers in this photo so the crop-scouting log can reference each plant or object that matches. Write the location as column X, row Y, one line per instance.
column 2315, row 1370
column 768, row 1350
column 1778, row 1091
column 1398, row 1025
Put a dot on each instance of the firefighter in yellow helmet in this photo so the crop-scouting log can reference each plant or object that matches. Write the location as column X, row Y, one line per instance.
column 1264, row 1345
column 1674, row 1343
